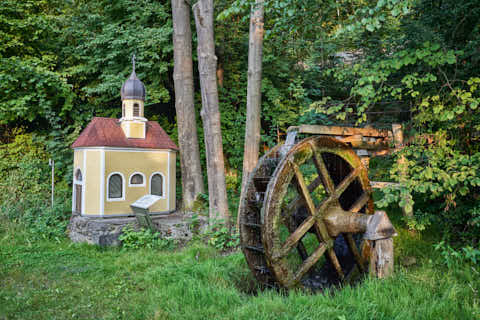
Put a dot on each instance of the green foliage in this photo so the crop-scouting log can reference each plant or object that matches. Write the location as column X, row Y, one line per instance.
column 143, row 238
column 403, row 61
column 25, row 189
column 441, row 182
column 220, row 237
column 452, row 258
column 102, row 36
column 33, row 89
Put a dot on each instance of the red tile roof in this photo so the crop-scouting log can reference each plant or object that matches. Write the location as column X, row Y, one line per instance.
column 106, row 132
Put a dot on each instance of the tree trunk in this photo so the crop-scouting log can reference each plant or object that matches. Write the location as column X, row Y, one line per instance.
column 192, row 180
column 254, row 94
column 207, row 66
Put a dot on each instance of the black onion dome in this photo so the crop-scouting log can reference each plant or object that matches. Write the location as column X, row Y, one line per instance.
column 133, row 88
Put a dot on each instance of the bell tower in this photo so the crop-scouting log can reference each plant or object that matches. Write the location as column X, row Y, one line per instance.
column 133, row 122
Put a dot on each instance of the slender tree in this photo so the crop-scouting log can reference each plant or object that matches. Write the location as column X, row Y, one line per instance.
column 207, row 66
column 254, row 94
column 192, row 180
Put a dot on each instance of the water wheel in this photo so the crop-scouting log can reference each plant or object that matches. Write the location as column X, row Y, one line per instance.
column 303, row 215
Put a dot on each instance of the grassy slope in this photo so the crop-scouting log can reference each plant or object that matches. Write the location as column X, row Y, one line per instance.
column 47, row 280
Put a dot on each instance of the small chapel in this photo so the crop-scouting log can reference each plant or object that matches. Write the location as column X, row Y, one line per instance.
column 118, row 161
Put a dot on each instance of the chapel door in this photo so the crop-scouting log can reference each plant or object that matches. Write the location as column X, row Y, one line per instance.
column 78, row 198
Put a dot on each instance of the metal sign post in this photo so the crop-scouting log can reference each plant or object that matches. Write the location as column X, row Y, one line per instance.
column 51, row 163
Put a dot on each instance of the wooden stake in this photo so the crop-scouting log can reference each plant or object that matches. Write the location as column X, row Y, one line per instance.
column 402, row 162
column 381, row 258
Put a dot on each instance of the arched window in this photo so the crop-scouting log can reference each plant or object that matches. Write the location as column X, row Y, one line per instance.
column 115, row 187
column 78, row 175
column 156, row 184
column 137, row 179
column 77, row 191
column 123, row 110
column 136, row 110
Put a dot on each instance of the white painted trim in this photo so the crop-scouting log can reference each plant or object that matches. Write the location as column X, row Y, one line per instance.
column 102, row 182
column 84, row 178
column 134, row 119
column 137, row 185
column 73, row 191
column 120, row 149
column 163, row 182
column 168, row 181
column 123, row 187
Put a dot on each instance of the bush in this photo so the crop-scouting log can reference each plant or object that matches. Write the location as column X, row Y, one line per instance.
column 219, row 237
column 452, row 257
column 25, row 189
column 143, row 238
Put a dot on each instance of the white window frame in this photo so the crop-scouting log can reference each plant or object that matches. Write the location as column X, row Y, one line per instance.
column 74, row 191
column 123, row 187
column 164, row 190
column 137, row 185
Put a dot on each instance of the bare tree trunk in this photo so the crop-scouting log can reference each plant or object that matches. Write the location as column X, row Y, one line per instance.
column 192, row 180
column 207, row 66
column 254, row 94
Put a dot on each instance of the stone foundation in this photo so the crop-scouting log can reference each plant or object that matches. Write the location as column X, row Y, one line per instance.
column 106, row 231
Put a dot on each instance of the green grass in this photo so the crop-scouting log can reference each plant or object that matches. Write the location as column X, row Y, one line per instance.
column 50, row 280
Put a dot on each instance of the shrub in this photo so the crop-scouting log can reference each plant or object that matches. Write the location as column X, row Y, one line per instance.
column 219, row 237
column 143, row 238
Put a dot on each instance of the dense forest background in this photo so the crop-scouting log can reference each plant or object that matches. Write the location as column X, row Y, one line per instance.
column 346, row 62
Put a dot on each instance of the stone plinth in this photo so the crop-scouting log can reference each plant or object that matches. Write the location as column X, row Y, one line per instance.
column 106, row 231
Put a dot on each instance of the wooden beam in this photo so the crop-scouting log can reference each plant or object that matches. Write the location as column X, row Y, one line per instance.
column 381, row 184
column 341, row 131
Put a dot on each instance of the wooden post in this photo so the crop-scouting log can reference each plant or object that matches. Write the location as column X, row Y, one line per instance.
column 402, row 162
column 52, row 164
column 381, row 258
column 210, row 113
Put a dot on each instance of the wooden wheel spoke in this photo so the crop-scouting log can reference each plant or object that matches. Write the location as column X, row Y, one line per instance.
column 303, row 189
column 309, row 262
column 299, row 201
column 347, row 181
column 290, row 224
column 360, row 203
column 321, row 231
column 323, row 172
column 294, row 237
column 335, row 263
column 356, row 254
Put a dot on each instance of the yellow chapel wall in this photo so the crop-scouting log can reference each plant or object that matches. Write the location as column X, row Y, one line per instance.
column 78, row 160
column 173, row 178
column 133, row 129
column 128, row 162
column 88, row 161
column 93, row 186
column 128, row 105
